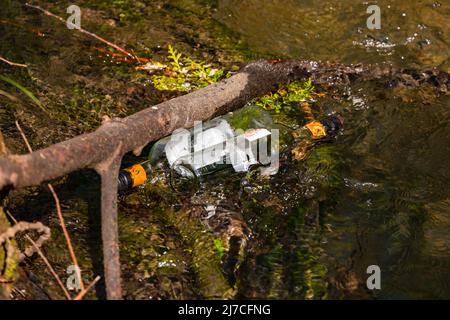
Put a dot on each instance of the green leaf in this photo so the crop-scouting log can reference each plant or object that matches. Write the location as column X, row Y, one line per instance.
column 27, row 92
column 218, row 245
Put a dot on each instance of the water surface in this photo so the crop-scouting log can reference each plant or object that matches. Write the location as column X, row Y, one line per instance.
column 379, row 195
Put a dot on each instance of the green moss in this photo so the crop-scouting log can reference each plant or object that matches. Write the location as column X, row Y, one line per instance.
column 10, row 270
column 243, row 118
column 323, row 165
column 169, row 247
column 273, row 261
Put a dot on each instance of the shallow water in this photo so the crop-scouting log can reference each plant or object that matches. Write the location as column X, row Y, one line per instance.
column 393, row 210
column 413, row 33
column 379, row 195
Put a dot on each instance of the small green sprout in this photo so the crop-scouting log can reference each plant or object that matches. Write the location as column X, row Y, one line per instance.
column 175, row 57
column 185, row 75
column 218, row 245
column 27, row 92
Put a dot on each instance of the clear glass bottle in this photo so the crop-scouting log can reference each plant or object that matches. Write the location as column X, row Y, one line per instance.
column 233, row 140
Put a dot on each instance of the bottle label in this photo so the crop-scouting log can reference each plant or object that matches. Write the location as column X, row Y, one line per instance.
column 138, row 174
column 317, row 129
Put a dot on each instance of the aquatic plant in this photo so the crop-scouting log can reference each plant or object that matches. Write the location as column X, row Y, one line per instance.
column 286, row 95
column 206, row 264
column 220, row 249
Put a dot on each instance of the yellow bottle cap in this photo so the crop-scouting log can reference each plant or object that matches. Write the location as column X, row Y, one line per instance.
column 317, row 129
column 138, row 174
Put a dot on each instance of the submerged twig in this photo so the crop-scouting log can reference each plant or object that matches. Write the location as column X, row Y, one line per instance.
column 44, row 258
column 83, row 292
column 60, row 216
column 66, row 235
column 14, row 64
column 115, row 46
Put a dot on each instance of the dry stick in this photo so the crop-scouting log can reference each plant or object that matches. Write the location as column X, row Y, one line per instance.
column 48, row 13
column 13, row 63
column 66, row 235
column 30, row 150
column 60, row 216
column 83, row 292
column 44, row 258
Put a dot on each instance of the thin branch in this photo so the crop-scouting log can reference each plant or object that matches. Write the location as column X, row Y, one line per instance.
column 137, row 130
column 66, row 235
column 83, row 292
column 60, row 216
column 24, row 138
column 44, row 258
column 14, row 64
column 20, row 25
column 48, row 13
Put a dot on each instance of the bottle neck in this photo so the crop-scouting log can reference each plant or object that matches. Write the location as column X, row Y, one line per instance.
column 134, row 176
column 316, row 130
column 302, row 133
